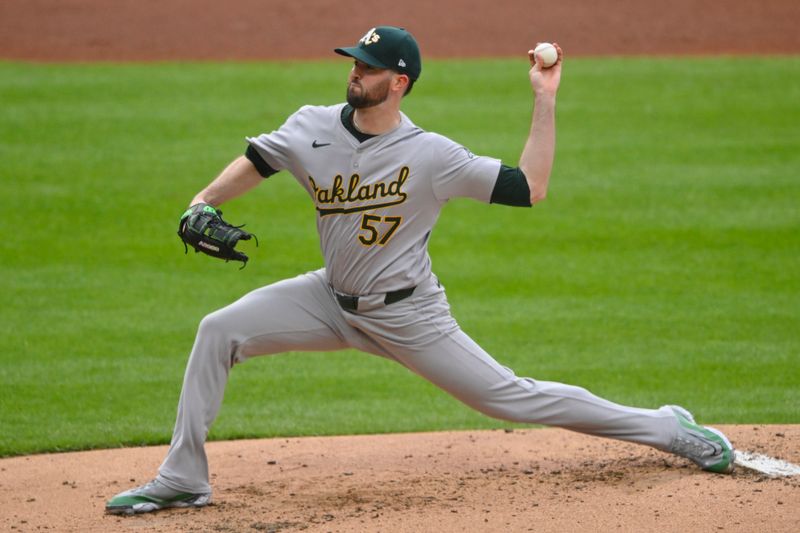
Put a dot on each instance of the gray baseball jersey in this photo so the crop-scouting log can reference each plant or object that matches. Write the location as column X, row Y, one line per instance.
column 376, row 201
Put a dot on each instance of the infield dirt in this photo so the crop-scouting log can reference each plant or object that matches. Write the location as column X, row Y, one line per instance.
column 544, row 480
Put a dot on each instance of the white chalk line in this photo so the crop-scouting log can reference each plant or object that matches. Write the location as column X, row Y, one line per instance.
column 765, row 464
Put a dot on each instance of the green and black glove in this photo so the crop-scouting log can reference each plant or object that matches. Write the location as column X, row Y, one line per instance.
column 202, row 228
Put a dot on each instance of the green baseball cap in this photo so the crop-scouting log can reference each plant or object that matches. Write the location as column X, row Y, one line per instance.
column 387, row 47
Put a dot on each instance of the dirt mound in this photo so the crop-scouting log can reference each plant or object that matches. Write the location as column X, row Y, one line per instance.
column 526, row 480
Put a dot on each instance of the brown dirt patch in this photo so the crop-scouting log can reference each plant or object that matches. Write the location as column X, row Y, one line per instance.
column 534, row 480
column 544, row 480
column 88, row 30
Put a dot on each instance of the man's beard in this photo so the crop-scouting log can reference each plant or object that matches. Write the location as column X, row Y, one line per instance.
column 365, row 99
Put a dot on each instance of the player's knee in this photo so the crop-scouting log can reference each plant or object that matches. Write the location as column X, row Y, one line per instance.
column 502, row 411
column 510, row 402
column 492, row 405
column 209, row 324
column 213, row 326
column 214, row 341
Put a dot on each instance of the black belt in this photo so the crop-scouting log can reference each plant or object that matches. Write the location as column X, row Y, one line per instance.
column 350, row 303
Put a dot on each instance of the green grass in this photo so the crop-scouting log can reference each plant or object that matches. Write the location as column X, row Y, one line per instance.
column 664, row 267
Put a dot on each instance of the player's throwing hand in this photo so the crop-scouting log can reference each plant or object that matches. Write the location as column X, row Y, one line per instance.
column 545, row 80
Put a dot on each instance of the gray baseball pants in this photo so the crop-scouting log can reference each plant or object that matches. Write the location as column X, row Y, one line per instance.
column 302, row 314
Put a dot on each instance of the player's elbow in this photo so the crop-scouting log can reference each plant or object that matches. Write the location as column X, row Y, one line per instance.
column 537, row 186
column 538, row 191
column 538, row 196
column 538, row 182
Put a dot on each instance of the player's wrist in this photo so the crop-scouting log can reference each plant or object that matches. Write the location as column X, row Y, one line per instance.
column 544, row 96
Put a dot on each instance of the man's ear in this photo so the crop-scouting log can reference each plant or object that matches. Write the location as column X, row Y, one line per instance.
column 401, row 81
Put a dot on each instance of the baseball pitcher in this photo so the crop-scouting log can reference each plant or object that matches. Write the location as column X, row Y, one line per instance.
column 378, row 183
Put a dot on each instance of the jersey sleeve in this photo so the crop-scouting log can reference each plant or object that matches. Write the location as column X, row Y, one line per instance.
column 262, row 166
column 460, row 173
column 511, row 188
column 275, row 148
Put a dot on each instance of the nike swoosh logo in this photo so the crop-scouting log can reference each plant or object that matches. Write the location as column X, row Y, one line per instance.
column 315, row 144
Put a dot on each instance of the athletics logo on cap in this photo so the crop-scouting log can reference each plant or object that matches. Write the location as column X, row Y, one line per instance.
column 370, row 38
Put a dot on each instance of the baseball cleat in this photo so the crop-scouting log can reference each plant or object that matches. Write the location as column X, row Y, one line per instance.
column 706, row 447
column 152, row 497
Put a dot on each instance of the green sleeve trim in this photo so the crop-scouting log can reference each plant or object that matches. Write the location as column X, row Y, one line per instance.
column 511, row 188
column 262, row 166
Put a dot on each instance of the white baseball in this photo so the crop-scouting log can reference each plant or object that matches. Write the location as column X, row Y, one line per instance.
column 548, row 53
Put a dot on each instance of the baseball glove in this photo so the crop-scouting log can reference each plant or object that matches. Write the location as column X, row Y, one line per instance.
column 202, row 228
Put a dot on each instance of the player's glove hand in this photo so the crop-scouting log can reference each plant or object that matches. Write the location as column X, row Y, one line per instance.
column 202, row 228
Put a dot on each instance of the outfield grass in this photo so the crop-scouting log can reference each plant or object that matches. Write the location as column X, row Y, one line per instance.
column 664, row 267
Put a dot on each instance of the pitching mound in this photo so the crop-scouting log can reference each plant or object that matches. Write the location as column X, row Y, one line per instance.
column 533, row 480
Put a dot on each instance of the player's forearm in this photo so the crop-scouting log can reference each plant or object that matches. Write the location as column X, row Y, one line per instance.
column 238, row 178
column 537, row 157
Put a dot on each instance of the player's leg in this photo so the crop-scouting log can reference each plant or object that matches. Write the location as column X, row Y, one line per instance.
column 421, row 334
column 294, row 314
column 461, row 367
column 298, row 314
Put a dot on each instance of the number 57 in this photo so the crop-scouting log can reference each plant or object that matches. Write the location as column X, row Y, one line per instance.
column 368, row 224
